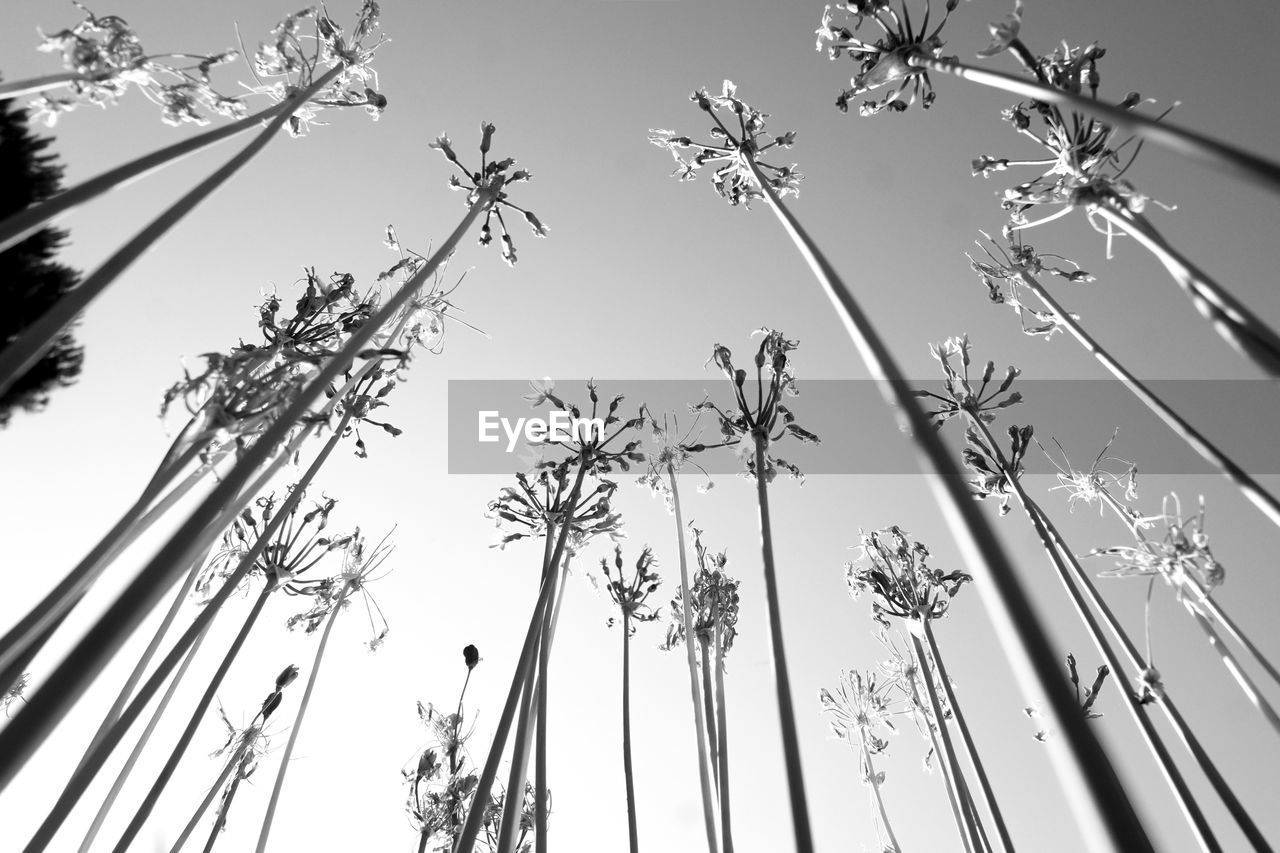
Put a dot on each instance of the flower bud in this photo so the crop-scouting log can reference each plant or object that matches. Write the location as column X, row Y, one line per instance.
column 470, row 656
column 287, row 677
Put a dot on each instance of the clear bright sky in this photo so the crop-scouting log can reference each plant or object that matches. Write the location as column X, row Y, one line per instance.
column 640, row 276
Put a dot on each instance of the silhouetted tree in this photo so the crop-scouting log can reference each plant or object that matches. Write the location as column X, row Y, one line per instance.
column 31, row 280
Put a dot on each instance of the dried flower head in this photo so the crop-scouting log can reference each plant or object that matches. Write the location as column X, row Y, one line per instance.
column 360, row 564
column 766, row 419
column 1097, row 483
column 959, row 396
column 713, row 600
column 896, row 573
column 671, row 456
column 491, row 183
column 630, row 592
column 1002, row 276
column 107, row 56
column 14, row 692
column 1182, row 557
column 732, row 153
column 887, row 60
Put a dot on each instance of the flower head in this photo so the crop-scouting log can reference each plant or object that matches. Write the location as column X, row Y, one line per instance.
column 735, row 152
column 713, row 600
column 630, row 591
column 896, row 573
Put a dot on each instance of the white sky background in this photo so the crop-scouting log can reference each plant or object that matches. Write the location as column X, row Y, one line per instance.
column 641, row 275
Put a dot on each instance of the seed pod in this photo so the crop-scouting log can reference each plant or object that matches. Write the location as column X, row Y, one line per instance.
column 287, row 677
column 470, row 656
column 272, row 702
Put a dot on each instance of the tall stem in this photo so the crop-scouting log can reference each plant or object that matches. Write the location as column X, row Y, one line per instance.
column 540, row 747
column 31, row 726
column 713, row 748
column 966, row 737
column 1234, row 161
column 633, row 836
column 1215, row 612
column 86, row 845
column 23, row 353
column 224, row 808
column 193, row 723
column 297, row 720
column 1169, row 770
column 781, row 678
column 1257, row 495
column 722, row 741
column 1099, row 801
column 23, row 223
column 699, row 726
column 876, row 795
column 951, row 784
column 523, row 673
column 948, row 756
column 21, row 642
column 1234, row 322
column 98, row 755
column 36, row 85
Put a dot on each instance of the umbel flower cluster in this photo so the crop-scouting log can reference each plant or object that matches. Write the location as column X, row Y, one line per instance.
column 896, row 573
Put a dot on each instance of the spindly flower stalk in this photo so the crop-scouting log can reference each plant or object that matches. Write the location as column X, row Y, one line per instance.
column 713, row 603
column 550, row 503
column 630, row 594
column 1098, row 799
column 752, row 426
column 997, row 475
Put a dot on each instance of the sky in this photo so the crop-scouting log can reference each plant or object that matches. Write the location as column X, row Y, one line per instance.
column 639, row 277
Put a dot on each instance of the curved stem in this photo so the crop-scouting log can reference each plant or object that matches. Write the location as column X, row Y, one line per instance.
column 523, row 673
column 297, row 720
column 879, row 800
column 1257, row 495
column 973, row 840
column 1161, row 698
column 86, row 845
column 28, row 729
column 782, row 680
column 193, row 723
column 23, row 223
column 27, row 349
column 1232, row 320
column 1097, row 798
column 1188, row 143
column 966, row 737
column 722, row 741
column 1173, row 777
column 699, row 725
column 633, row 836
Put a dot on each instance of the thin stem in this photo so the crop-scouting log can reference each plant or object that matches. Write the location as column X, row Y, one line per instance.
column 633, row 836
column 686, row 614
column 713, row 749
column 948, row 756
column 21, row 642
column 28, row 729
column 879, row 799
column 1257, row 495
column 1220, row 616
column 35, row 85
column 513, row 804
column 1161, row 697
column 540, row 745
column 1234, row 161
column 98, row 755
column 223, row 810
column 782, row 680
column 966, row 737
column 23, row 353
column 140, row 668
column 1234, row 322
column 297, row 720
column 193, row 723
column 722, row 739
column 223, row 775
column 1169, row 770
column 23, row 223
column 86, row 845
column 523, row 673
column 950, row 783
column 1099, row 801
